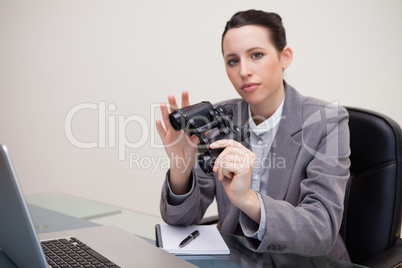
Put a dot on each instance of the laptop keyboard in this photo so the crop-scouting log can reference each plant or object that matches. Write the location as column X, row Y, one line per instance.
column 70, row 252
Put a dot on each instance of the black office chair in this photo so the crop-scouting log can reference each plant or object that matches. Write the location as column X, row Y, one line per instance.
column 372, row 218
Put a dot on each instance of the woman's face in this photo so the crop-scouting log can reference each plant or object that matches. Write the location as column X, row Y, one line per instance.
column 254, row 66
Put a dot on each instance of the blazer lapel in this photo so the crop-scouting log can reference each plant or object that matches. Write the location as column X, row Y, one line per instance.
column 243, row 119
column 286, row 146
column 283, row 156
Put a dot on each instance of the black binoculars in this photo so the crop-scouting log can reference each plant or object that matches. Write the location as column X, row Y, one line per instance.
column 200, row 118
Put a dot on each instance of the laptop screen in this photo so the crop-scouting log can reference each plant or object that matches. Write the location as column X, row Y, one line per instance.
column 18, row 238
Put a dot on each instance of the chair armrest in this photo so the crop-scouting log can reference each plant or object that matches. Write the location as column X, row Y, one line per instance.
column 209, row 220
column 389, row 258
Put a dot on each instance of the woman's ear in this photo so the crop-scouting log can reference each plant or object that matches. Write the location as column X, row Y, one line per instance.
column 286, row 57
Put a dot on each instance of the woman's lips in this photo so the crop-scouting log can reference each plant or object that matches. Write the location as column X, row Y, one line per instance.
column 250, row 87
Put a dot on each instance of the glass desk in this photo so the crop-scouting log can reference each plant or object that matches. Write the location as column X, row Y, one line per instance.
column 54, row 212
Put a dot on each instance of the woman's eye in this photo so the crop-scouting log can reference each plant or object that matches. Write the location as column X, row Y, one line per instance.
column 232, row 62
column 257, row 55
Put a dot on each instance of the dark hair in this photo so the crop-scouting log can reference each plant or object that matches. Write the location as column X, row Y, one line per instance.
column 269, row 20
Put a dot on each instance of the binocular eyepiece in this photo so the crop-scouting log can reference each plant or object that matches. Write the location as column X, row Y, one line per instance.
column 202, row 117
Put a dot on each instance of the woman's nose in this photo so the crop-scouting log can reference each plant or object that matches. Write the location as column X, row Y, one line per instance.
column 245, row 70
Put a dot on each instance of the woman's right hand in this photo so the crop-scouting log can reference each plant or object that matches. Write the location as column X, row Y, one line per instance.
column 180, row 148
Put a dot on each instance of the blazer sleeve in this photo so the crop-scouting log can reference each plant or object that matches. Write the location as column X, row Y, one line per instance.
column 311, row 225
column 192, row 210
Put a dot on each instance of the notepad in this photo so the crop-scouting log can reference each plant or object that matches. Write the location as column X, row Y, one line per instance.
column 209, row 242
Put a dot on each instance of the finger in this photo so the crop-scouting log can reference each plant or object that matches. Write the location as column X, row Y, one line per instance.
column 221, row 165
column 233, row 159
column 194, row 139
column 231, row 154
column 160, row 129
column 185, row 101
column 172, row 103
column 225, row 171
column 217, row 163
column 239, row 152
column 165, row 114
column 229, row 163
column 220, row 173
column 225, row 143
column 228, row 174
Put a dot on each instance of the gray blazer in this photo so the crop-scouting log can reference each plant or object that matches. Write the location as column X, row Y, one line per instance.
column 308, row 175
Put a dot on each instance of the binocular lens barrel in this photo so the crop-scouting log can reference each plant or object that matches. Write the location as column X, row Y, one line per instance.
column 176, row 120
column 200, row 113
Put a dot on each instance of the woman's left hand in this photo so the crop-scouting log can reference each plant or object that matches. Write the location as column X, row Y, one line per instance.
column 235, row 167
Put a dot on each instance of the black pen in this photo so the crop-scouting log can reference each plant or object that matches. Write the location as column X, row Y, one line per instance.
column 189, row 238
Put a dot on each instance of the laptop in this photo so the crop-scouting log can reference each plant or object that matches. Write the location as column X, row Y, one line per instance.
column 110, row 245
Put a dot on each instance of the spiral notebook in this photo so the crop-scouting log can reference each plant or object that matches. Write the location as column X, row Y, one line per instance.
column 208, row 242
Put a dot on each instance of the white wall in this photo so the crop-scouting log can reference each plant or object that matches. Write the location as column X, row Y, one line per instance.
column 55, row 55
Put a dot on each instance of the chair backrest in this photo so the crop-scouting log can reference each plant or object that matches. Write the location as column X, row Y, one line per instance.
column 372, row 217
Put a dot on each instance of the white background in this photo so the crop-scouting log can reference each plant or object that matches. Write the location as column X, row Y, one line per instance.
column 55, row 55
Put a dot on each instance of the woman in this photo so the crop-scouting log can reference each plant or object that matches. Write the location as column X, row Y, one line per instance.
column 284, row 189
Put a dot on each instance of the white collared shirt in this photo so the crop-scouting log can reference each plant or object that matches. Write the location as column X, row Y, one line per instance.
column 261, row 140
